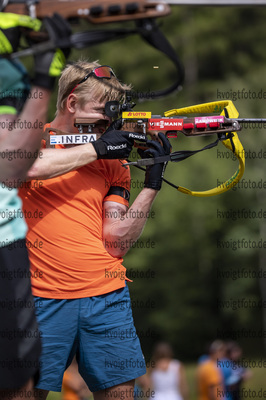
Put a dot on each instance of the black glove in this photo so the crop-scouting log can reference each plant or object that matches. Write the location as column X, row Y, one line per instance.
column 154, row 173
column 115, row 144
column 49, row 65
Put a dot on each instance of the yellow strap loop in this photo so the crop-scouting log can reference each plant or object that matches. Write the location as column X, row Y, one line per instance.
column 217, row 106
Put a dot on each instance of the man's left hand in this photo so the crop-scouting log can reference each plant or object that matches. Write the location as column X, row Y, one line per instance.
column 154, row 173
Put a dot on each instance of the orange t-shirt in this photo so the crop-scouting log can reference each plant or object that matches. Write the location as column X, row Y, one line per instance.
column 65, row 241
column 67, row 392
column 209, row 376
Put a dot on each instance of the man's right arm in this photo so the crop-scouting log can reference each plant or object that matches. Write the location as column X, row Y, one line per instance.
column 56, row 162
column 113, row 144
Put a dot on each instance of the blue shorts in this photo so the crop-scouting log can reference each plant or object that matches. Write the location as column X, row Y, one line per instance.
column 99, row 330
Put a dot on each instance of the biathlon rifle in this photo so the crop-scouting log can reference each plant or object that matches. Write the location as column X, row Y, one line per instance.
column 216, row 118
column 143, row 12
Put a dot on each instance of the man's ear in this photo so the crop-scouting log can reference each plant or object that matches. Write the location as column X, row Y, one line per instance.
column 72, row 103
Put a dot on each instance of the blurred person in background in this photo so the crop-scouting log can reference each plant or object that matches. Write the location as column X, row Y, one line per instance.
column 210, row 380
column 167, row 376
column 73, row 386
column 239, row 373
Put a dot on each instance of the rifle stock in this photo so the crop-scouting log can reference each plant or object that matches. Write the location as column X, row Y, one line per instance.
column 169, row 126
column 95, row 12
column 143, row 12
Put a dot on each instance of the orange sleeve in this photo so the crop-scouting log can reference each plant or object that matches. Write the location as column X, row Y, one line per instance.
column 214, row 377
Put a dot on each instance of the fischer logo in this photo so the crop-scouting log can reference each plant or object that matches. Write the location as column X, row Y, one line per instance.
column 166, row 124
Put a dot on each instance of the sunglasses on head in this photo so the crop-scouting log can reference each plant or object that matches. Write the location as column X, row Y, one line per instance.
column 103, row 71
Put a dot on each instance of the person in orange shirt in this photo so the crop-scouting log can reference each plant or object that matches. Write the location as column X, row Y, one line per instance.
column 73, row 386
column 82, row 227
column 209, row 376
column 22, row 113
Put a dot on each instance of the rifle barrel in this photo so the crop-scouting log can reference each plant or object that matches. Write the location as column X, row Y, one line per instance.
column 250, row 120
column 217, row 2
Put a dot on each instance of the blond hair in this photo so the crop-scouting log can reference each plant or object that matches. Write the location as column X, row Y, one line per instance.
column 91, row 89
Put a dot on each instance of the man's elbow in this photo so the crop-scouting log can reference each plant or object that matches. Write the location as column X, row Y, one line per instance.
column 116, row 246
column 117, row 253
column 34, row 172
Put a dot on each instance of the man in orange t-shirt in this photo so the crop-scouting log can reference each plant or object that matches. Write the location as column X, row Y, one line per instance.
column 209, row 376
column 80, row 227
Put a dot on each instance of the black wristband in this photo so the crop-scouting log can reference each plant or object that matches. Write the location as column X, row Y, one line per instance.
column 44, row 81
